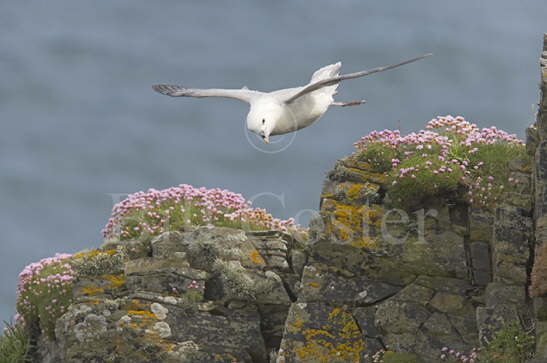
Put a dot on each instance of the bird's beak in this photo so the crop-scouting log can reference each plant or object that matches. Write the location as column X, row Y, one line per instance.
column 265, row 138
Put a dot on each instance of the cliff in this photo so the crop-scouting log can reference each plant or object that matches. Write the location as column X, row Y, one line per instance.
column 392, row 269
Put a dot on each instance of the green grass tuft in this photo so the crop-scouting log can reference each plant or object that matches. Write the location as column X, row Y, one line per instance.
column 14, row 344
column 511, row 344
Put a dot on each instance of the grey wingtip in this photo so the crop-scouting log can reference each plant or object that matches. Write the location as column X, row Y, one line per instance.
column 161, row 88
column 166, row 89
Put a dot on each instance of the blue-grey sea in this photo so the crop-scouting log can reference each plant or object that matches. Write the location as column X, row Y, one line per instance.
column 79, row 121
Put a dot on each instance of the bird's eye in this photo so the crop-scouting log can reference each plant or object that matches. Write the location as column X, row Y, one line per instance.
column 263, row 121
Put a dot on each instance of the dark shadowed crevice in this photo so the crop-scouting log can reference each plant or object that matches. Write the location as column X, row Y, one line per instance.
column 529, row 266
column 289, row 291
column 255, row 357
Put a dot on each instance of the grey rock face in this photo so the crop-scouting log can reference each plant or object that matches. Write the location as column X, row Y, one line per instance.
column 204, row 295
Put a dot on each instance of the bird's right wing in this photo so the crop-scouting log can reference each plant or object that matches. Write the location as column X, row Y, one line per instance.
column 244, row 94
column 337, row 79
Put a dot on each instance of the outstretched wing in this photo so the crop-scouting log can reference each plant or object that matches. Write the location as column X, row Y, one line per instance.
column 335, row 80
column 243, row 94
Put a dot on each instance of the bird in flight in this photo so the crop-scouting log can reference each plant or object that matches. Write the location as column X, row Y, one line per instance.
column 285, row 110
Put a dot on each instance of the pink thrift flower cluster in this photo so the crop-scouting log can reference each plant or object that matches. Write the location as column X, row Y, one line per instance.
column 156, row 211
column 44, row 290
column 459, row 130
column 445, row 155
column 377, row 357
column 471, row 133
column 448, row 354
column 195, row 285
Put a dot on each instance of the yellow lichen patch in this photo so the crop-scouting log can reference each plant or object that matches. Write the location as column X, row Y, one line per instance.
column 348, row 215
column 327, row 195
column 295, row 327
column 91, row 291
column 334, row 313
column 350, row 330
column 339, row 340
column 312, row 333
column 78, row 255
column 314, row 284
column 87, row 254
column 93, row 253
column 354, row 192
column 353, row 219
column 256, row 257
column 350, row 223
column 116, row 280
column 136, row 304
column 144, row 314
column 372, row 186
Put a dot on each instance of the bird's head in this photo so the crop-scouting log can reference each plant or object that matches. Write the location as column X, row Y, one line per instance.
column 262, row 119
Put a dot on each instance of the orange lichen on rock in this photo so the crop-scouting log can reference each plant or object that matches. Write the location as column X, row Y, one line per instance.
column 256, row 257
column 338, row 340
column 91, row 291
column 354, row 192
column 116, row 280
column 142, row 313
column 348, row 223
column 94, row 253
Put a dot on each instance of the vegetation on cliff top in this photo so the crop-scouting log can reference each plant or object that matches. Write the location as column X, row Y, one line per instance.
column 44, row 292
column 510, row 344
column 450, row 156
column 156, row 211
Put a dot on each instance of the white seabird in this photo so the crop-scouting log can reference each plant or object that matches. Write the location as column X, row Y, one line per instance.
column 285, row 110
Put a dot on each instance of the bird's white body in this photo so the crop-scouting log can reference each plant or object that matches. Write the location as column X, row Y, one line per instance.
column 270, row 114
column 285, row 110
column 302, row 112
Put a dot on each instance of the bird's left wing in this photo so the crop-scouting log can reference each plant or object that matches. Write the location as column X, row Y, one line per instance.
column 243, row 94
column 334, row 80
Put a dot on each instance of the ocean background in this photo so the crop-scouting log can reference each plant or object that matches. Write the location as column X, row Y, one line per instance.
column 80, row 125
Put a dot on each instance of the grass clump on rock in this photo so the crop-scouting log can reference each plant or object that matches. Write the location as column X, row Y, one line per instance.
column 14, row 343
column 156, row 211
column 450, row 157
column 510, row 344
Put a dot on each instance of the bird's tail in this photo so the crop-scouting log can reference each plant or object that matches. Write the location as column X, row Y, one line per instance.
column 329, row 71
